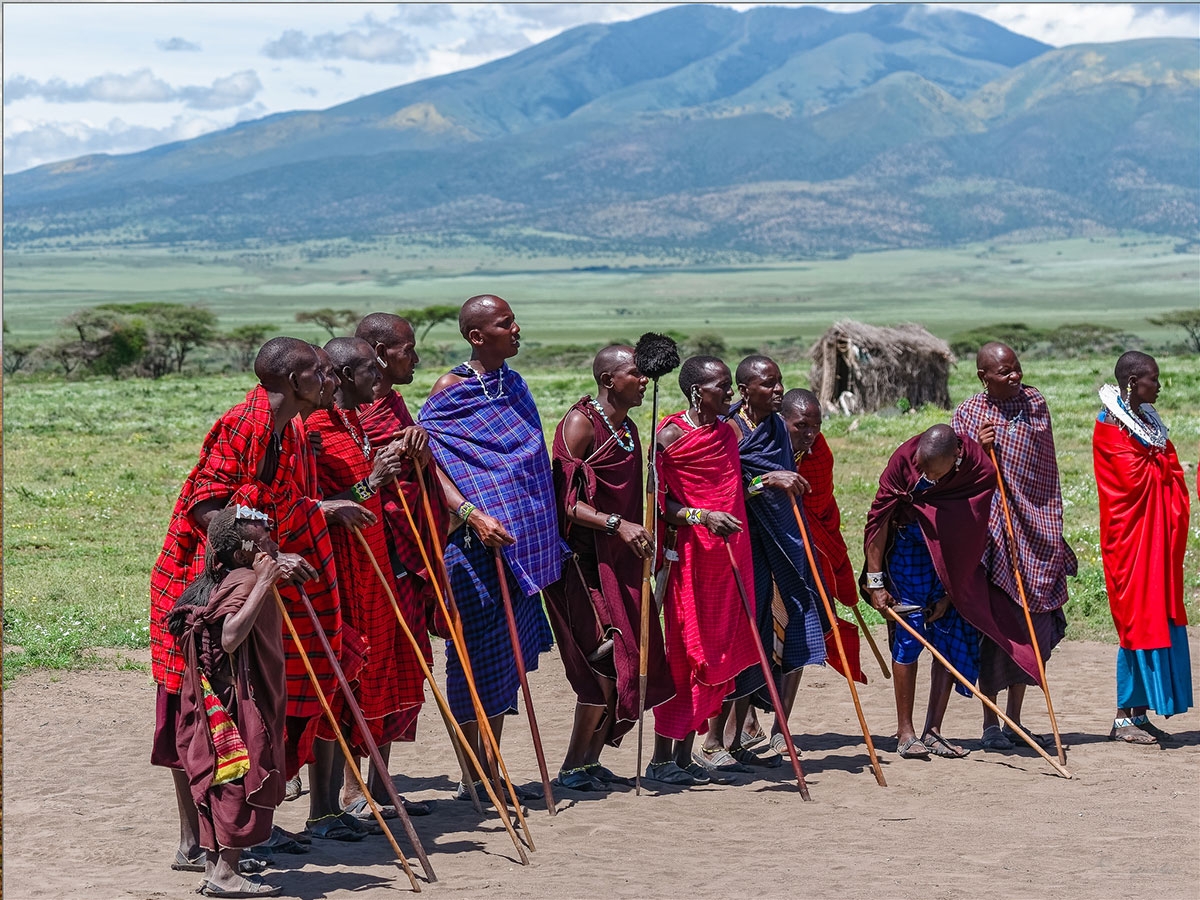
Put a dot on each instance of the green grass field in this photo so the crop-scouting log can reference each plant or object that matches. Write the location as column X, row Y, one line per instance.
column 1116, row 281
column 92, row 470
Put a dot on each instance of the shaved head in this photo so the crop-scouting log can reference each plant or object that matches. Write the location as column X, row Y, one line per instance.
column 611, row 358
column 383, row 328
column 993, row 353
column 798, row 401
column 476, row 312
column 349, row 351
column 280, row 357
column 1133, row 364
column 938, row 444
column 749, row 366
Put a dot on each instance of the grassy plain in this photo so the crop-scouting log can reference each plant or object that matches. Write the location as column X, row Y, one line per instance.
column 92, row 470
column 1116, row 281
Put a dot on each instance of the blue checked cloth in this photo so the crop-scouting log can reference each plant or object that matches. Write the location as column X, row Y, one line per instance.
column 914, row 580
column 495, row 453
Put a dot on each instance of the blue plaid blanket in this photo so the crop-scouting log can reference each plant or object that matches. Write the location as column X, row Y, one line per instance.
column 495, row 453
column 778, row 550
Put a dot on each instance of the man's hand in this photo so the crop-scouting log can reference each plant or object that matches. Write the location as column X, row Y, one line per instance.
column 413, row 443
column 389, row 462
column 295, row 568
column 490, row 531
column 987, row 437
column 636, row 538
column 880, row 598
column 316, row 442
column 347, row 513
column 783, row 480
column 939, row 609
column 722, row 524
column 266, row 569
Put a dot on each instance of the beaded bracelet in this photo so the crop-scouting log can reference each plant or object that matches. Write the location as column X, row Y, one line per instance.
column 756, row 486
column 874, row 580
column 362, row 490
column 465, row 509
column 693, row 516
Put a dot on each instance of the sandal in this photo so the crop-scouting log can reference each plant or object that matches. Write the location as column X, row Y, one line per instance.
column 247, row 865
column 939, row 746
column 1045, row 741
column 361, row 810
column 362, row 826
column 607, row 776
column 913, row 749
column 718, row 760
column 1132, row 731
column 669, row 773
column 994, row 738
column 1161, row 736
column 293, row 789
column 578, row 779
column 701, row 774
column 282, row 841
column 332, row 828
column 247, row 887
column 749, row 740
column 750, row 758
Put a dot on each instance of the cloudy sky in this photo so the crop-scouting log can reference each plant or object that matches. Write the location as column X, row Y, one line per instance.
column 107, row 77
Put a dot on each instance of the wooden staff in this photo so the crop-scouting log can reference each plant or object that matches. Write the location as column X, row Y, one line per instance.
column 870, row 640
column 372, row 748
column 888, row 611
column 333, row 723
column 837, row 640
column 644, row 634
column 449, row 609
column 1037, row 651
column 767, row 673
column 462, row 747
column 522, row 676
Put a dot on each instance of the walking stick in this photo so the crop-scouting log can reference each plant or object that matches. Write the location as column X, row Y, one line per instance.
column 655, row 356
column 1037, row 651
column 333, row 723
column 889, row 612
column 522, row 677
column 837, row 640
column 767, row 673
column 372, row 748
column 870, row 640
column 449, row 609
column 457, row 738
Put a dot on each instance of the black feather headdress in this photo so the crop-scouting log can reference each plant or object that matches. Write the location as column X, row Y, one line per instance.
column 655, row 355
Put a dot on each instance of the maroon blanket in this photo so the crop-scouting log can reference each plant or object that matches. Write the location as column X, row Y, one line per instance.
column 953, row 515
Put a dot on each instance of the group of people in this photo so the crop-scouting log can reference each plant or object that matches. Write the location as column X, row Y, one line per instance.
column 320, row 513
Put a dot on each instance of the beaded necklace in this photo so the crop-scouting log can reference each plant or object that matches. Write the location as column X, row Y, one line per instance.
column 627, row 447
column 483, row 386
column 364, row 442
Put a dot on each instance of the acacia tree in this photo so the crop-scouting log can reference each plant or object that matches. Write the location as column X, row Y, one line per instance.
column 426, row 317
column 173, row 331
column 1187, row 319
column 243, row 342
column 332, row 320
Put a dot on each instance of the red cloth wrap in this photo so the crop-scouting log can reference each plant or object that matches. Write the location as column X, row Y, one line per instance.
column 1144, row 509
column 953, row 515
column 610, row 481
column 391, row 687
column 382, row 420
column 709, row 638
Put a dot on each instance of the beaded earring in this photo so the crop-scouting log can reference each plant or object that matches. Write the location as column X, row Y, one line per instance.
column 695, row 397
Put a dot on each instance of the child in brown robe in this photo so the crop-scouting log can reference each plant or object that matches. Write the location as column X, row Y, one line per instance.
column 228, row 626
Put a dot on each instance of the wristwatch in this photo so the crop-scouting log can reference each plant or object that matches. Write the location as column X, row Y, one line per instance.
column 613, row 523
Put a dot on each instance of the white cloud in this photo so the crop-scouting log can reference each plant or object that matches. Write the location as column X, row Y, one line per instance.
column 142, row 86
column 31, row 143
column 1061, row 24
column 178, row 45
column 374, row 41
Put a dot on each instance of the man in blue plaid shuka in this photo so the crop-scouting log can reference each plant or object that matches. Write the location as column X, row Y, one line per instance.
column 486, row 437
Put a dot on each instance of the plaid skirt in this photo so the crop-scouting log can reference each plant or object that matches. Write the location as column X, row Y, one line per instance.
column 476, row 586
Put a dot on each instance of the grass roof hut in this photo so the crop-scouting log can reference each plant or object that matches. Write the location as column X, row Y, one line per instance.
column 864, row 368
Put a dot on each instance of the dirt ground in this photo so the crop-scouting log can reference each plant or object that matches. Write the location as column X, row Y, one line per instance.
column 86, row 816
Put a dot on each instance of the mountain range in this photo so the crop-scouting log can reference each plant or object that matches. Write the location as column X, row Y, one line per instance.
column 781, row 131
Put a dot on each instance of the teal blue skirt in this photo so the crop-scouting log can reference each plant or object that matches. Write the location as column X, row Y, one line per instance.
column 1160, row 680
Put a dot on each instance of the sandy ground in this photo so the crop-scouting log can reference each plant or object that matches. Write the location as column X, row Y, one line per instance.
column 86, row 816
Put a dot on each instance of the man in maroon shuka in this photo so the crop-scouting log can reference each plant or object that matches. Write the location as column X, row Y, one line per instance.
column 595, row 609
column 247, row 458
column 390, row 687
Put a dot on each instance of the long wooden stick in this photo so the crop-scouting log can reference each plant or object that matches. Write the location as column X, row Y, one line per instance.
column 457, row 738
column 888, row 611
column 837, row 640
column 767, row 673
column 449, row 609
column 523, row 677
column 361, row 723
column 870, row 640
column 333, row 724
column 1037, row 651
column 649, row 518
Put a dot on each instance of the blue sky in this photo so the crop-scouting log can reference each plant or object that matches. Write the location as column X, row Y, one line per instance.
column 116, row 78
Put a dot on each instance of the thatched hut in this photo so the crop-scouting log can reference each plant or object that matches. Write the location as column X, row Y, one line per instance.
column 863, row 368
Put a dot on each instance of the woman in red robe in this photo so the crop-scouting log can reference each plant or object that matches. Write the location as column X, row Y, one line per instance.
column 1144, row 508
